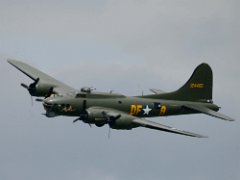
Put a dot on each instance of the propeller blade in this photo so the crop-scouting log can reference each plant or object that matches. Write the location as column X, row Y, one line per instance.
column 28, row 88
column 24, row 86
column 31, row 100
column 78, row 119
column 109, row 132
column 36, row 81
column 39, row 100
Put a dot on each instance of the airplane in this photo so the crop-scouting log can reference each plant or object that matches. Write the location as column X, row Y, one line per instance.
column 119, row 111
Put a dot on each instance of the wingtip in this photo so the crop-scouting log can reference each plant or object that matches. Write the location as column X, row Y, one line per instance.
column 231, row 119
column 11, row 61
column 201, row 136
column 227, row 118
column 198, row 135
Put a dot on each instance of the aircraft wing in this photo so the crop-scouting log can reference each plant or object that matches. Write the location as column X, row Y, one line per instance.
column 35, row 74
column 136, row 122
column 208, row 111
column 157, row 126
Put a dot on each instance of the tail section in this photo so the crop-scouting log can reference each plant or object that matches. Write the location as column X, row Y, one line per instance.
column 197, row 88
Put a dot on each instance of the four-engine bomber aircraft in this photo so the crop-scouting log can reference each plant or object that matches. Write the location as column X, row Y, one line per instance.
column 119, row 111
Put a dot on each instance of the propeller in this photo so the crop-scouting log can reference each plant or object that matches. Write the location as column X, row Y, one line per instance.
column 39, row 100
column 31, row 100
column 78, row 119
column 32, row 90
column 110, row 122
column 109, row 132
column 84, row 115
column 111, row 119
column 32, row 87
column 24, row 86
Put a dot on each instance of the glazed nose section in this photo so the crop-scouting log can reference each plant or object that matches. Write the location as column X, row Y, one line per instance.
column 48, row 105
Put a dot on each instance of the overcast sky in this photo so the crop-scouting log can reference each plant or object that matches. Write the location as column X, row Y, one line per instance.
column 127, row 46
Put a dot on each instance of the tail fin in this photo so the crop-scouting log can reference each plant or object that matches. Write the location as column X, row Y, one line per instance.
column 197, row 88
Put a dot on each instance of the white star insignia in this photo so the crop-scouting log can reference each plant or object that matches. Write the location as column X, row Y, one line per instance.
column 146, row 110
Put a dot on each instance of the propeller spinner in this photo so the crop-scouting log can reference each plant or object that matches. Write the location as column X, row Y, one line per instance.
column 32, row 87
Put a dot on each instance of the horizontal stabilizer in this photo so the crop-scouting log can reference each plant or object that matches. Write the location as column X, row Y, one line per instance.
column 157, row 91
column 209, row 112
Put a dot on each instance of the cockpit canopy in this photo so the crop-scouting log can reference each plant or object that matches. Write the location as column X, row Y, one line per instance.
column 87, row 92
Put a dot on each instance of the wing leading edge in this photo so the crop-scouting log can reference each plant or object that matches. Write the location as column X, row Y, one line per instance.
column 35, row 74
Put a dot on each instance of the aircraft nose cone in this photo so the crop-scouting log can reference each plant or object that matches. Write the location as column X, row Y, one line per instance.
column 48, row 104
column 48, row 101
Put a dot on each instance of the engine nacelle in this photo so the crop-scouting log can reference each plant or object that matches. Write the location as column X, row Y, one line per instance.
column 115, row 120
column 123, row 123
column 96, row 116
column 40, row 89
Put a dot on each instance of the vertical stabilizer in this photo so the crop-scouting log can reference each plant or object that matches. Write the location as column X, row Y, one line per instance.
column 197, row 88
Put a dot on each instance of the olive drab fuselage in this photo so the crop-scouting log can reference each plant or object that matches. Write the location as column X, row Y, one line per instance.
column 135, row 106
